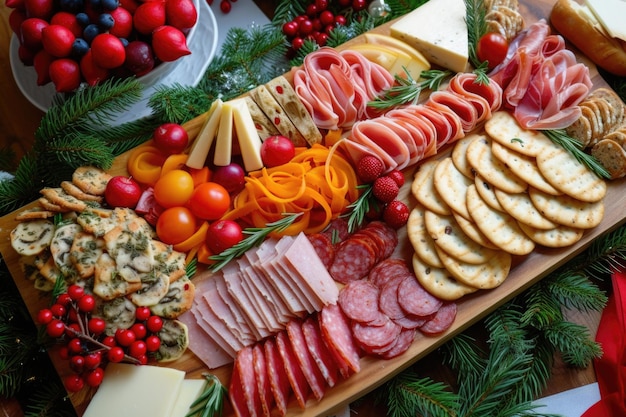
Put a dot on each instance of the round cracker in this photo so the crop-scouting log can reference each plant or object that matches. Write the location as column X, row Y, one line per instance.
column 524, row 167
column 504, row 129
column 487, row 193
column 451, row 185
column 482, row 160
column 449, row 237
column 439, row 282
column 568, row 211
column 499, row 227
column 422, row 243
column 473, row 232
column 459, row 155
column 558, row 237
column 568, row 175
column 423, row 188
column 521, row 207
column 483, row 276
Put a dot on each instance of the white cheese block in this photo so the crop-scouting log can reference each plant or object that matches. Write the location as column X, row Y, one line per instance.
column 611, row 14
column 202, row 145
column 248, row 136
column 224, row 142
column 189, row 391
column 438, row 30
column 138, row 391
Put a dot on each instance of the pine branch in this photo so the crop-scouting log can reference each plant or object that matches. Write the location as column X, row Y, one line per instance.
column 178, row 103
column 576, row 345
column 21, row 189
column 542, row 309
column 408, row 395
column 463, row 355
column 49, row 400
column 402, row 7
column 574, row 290
column 603, row 256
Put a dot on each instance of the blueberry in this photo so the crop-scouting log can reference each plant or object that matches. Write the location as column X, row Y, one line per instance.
column 82, row 18
column 110, row 5
column 124, row 42
column 105, row 21
column 80, row 47
column 90, row 32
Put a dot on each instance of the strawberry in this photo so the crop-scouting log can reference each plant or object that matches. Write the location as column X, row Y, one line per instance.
column 397, row 176
column 369, row 168
column 396, row 214
column 385, row 189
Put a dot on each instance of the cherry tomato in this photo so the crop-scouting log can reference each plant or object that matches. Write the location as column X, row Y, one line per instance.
column 175, row 225
column 492, row 47
column 142, row 313
column 209, row 201
column 223, row 234
column 153, row 343
column 174, row 188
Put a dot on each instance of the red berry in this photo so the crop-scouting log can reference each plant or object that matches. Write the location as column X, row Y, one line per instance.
column 58, row 310
column 57, row 40
column 75, row 292
column 94, row 377
column 93, row 74
column 225, row 6
column 93, row 360
column 41, row 63
column 290, row 29
column 64, row 299
column 86, row 303
column 369, row 168
column 96, row 325
column 44, row 316
column 69, row 21
column 109, row 341
column 31, row 32
column 181, row 14
column 327, row 17
column 385, row 189
column 73, row 382
column 107, row 51
column 169, row 43
column 154, row 323
column 397, row 176
column 142, row 313
column 306, row 27
column 153, row 343
column 140, row 330
column 123, row 26
column 125, row 337
column 321, row 5
column 77, row 363
column 115, row 354
column 56, row 328
column 75, row 346
column 396, row 214
column 137, row 349
column 149, row 16
column 65, row 74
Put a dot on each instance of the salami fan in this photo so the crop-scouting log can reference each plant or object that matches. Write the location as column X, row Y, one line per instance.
column 263, row 383
column 359, row 301
column 442, row 320
column 414, row 299
column 295, row 375
column 303, row 357
column 371, row 337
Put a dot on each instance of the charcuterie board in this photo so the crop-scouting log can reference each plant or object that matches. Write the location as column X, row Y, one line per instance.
column 526, row 271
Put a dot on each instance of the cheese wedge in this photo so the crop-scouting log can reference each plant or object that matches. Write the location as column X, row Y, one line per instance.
column 394, row 44
column 202, row 145
column 438, row 30
column 224, row 142
column 138, row 391
column 248, row 136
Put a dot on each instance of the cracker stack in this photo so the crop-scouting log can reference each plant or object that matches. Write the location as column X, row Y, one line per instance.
column 499, row 194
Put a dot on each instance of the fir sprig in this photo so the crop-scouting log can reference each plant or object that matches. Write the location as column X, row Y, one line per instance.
column 575, row 148
column 211, row 402
column 255, row 236
column 408, row 90
column 408, row 395
column 357, row 210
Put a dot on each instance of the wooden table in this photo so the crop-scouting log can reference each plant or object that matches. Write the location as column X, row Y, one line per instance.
column 19, row 119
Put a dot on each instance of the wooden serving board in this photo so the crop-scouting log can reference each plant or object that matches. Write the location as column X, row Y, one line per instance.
column 374, row 372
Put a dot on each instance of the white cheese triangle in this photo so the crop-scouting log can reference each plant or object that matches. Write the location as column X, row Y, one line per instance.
column 611, row 14
column 438, row 30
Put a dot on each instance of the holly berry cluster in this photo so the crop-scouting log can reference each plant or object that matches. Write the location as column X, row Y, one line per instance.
column 73, row 41
column 88, row 345
column 225, row 5
column 385, row 189
column 320, row 18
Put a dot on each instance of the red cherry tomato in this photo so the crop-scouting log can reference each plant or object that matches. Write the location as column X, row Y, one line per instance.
column 209, row 201
column 492, row 47
column 223, row 234
column 175, row 225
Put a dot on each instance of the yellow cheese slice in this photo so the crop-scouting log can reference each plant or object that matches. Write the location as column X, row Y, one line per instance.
column 189, row 391
column 438, row 30
column 138, row 391
column 396, row 45
column 202, row 145
column 249, row 139
column 224, row 142
column 611, row 14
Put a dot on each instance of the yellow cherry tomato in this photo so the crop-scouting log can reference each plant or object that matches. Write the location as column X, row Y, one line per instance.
column 174, row 188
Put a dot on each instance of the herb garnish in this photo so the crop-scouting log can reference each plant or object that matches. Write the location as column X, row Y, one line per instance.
column 407, row 89
column 256, row 236
column 211, row 401
column 360, row 207
column 575, row 147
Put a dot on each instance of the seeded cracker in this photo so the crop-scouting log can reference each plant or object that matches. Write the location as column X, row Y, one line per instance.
column 504, row 129
column 439, row 282
column 452, row 185
column 459, row 156
column 483, row 276
column 487, row 193
column 470, row 228
column 559, row 237
column 521, row 207
column 91, row 180
column 423, row 188
column 568, row 211
column 422, row 243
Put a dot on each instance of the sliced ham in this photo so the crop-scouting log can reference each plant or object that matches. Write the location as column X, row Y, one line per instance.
column 203, row 346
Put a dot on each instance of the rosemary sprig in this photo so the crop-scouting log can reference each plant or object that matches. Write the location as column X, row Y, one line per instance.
column 574, row 147
column 408, row 90
column 211, row 401
column 476, row 27
column 256, row 236
column 357, row 211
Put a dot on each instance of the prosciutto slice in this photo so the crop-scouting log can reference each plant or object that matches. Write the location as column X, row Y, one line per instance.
column 541, row 80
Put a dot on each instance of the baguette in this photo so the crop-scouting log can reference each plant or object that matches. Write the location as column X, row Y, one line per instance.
column 577, row 23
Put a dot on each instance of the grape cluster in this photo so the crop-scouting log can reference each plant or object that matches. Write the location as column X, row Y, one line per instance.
column 87, row 344
column 320, row 18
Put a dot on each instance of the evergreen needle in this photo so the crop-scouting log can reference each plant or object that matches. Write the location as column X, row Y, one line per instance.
column 407, row 89
column 256, row 236
column 211, row 401
column 575, row 148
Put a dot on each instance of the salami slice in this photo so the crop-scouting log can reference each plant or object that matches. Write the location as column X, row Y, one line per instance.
column 442, row 320
column 337, row 230
column 371, row 338
column 412, row 322
column 338, row 337
column 414, row 299
column 323, row 247
column 359, row 301
column 279, row 383
column 295, row 375
column 245, row 369
column 235, row 395
column 388, row 269
column 388, row 300
column 388, row 237
column 354, row 258
column 262, row 380
column 319, row 352
column 301, row 352
column 402, row 344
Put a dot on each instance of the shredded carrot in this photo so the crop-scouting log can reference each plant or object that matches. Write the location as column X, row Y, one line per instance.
column 332, row 137
column 317, row 183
